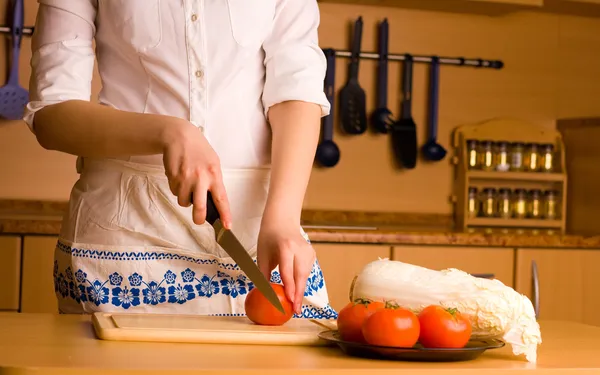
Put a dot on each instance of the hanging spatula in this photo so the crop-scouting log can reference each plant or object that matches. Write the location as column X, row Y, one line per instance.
column 352, row 96
column 404, row 130
column 13, row 97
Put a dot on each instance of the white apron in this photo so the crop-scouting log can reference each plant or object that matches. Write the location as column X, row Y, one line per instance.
column 126, row 245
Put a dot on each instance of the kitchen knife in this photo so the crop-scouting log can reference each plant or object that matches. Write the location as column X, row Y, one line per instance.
column 236, row 251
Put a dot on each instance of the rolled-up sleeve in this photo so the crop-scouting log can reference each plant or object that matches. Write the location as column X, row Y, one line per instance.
column 295, row 64
column 62, row 62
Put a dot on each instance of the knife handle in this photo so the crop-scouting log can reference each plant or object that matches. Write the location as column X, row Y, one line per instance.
column 212, row 214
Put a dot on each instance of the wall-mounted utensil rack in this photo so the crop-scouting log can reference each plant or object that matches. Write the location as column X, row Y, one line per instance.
column 460, row 61
column 8, row 30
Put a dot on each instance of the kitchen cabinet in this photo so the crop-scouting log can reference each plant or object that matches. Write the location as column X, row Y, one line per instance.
column 474, row 260
column 341, row 262
column 567, row 283
column 10, row 272
column 37, row 287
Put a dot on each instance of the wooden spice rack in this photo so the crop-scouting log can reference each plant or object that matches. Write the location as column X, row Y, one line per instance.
column 511, row 131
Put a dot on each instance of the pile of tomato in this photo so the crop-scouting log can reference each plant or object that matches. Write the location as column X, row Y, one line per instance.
column 387, row 324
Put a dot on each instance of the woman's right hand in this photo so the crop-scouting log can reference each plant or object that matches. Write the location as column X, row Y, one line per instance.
column 193, row 169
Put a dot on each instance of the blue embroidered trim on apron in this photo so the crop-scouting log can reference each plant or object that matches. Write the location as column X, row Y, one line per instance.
column 177, row 286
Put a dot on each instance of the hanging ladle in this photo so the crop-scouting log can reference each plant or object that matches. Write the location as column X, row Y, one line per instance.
column 328, row 153
column 432, row 150
column 382, row 116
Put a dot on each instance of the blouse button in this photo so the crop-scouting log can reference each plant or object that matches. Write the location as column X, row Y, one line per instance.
column 194, row 17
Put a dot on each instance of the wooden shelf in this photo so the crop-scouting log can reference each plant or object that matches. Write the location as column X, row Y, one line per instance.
column 515, row 176
column 586, row 8
column 513, row 223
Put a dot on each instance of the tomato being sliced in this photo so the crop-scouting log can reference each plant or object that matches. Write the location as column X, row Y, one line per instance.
column 443, row 328
column 393, row 326
column 351, row 317
column 261, row 311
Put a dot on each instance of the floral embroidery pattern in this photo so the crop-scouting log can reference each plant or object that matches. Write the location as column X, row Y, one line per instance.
column 175, row 286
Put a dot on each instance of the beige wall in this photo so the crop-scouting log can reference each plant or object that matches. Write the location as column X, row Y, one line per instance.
column 551, row 72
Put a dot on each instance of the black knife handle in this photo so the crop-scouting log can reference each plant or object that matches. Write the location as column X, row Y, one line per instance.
column 407, row 77
column 212, row 214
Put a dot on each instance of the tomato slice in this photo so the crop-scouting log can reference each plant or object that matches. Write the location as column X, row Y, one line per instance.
column 351, row 317
column 443, row 328
column 392, row 326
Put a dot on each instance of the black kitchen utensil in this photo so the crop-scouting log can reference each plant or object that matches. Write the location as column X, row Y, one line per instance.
column 352, row 96
column 404, row 130
column 328, row 153
column 13, row 97
column 382, row 116
column 432, row 150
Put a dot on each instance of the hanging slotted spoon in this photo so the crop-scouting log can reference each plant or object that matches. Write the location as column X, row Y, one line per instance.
column 13, row 97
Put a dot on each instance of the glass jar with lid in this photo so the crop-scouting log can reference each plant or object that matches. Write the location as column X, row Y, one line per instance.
column 504, row 209
column 550, row 206
column 532, row 157
column 502, row 157
column 487, row 156
column 547, row 158
column 472, row 154
column 517, row 151
column 472, row 202
column 488, row 202
column 534, row 204
column 520, row 204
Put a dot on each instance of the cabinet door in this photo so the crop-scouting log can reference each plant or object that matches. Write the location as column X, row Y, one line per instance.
column 498, row 262
column 341, row 262
column 10, row 272
column 37, row 288
column 567, row 283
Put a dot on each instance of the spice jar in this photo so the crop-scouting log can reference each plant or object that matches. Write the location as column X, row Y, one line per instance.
column 547, row 158
column 472, row 202
column 534, row 204
column 488, row 202
column 472, row 154
column 502, row 162
column 504, row 209
column 532, row 157
column 520, row 204
column 487, row 156
column 550, row 209
column 516, row 157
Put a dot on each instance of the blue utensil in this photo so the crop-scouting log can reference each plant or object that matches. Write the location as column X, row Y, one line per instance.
column 432, row 150
column 382, row 116
column 328, row 153
column 13, row 97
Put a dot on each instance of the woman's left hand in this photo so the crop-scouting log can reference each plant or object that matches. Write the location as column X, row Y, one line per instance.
column 284, row 245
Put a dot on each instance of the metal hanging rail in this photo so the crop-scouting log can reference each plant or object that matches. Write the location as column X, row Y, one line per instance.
column 8, row 30
column 460, row 61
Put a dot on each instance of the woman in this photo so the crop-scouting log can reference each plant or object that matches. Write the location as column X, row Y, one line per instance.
column 197, row 95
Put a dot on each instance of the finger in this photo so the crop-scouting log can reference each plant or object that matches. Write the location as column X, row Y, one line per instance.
column 199, row 210
column 264, row 265
column 286, row 269
column 301, row 273
column 219, row 196
column 184, row 193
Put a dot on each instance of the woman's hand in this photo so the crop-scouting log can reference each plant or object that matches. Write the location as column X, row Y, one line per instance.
column 283, row 244
column 193, row 167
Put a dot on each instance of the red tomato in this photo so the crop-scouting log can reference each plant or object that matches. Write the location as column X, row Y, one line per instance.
column 392, row 326
column 261, row 311
column 443, row 328
column 350, row 319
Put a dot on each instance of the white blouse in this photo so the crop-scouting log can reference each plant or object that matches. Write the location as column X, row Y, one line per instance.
column 221, row 64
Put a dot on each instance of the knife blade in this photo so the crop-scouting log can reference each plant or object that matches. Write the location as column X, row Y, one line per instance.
column 230, row 243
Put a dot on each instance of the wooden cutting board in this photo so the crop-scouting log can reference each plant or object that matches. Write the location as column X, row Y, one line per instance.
column 205, row 329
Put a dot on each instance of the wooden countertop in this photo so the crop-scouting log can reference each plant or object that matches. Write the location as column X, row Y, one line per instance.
column 44, row 218
column 47, row 344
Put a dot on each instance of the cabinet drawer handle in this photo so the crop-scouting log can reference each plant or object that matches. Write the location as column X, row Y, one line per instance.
column 484, row 275
column 536, row 288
